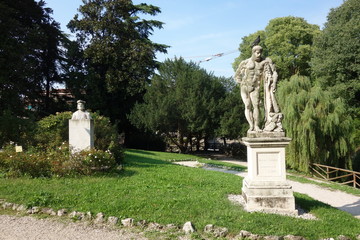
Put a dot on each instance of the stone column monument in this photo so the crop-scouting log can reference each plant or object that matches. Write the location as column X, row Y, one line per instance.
column 81, row 129
column 265, row 188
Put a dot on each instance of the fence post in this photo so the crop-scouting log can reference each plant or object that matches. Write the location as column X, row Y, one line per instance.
column 354, row 177
column 327, row 173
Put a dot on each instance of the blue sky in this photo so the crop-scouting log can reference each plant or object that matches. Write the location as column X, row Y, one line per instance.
column 198, row 29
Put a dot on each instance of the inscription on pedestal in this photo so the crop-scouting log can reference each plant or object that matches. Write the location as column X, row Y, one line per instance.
column 268, row 164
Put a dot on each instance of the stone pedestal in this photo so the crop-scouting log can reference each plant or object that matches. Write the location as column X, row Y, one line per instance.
column 81, row 135
column 265, row 188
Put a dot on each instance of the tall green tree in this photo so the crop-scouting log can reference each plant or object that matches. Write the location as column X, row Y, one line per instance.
column 183, row 102
column 74, row 72
column 336, row 61
column 318, row 124
column 233, row 124
column 30, row 47
column 119, row 56
column 287, row 41
column 337, row 52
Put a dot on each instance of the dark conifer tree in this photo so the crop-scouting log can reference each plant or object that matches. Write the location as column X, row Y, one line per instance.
column 119, row 57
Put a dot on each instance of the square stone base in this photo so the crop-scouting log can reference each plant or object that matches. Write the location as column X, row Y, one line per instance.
column 265, row 188
column 269, row 197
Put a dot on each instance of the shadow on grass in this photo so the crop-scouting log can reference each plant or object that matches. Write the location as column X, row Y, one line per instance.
column 115, row 173
column 139, row 151
column 135, row 158
column 308, row 203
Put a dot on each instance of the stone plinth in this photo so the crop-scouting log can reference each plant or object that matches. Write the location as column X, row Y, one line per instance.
column 81, row 135
column 265, row 188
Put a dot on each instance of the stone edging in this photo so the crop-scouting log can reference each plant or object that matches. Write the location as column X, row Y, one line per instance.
column 188, row 227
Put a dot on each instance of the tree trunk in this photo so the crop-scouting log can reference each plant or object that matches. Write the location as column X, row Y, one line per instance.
column 47, row 94
column 173, row 140
column 198, row 139
column 191, row 144
column 206, row 144
column 224, row 139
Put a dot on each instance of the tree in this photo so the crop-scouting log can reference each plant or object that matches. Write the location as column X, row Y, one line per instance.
column 287, row 41
column 337, row 56
column 119, row 56
column 233, row 124
column 182, row 102
column 74, row 72
column 318, row 124
column 337, row 52
column 30, row 47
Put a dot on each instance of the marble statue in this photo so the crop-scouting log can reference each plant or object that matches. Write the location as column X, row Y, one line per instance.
column 81, row 129
column 250, row 74
column 81, row 114
column 265, row 188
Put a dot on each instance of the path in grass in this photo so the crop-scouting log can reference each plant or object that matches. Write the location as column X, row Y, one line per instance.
column 335, row 198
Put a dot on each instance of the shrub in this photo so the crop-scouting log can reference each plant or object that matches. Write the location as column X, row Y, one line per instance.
column 52, row 130
column 58, row 162
column 88, row 162
column 117, row 150
column 16, row 164
column 85, row 162
column 107, row 137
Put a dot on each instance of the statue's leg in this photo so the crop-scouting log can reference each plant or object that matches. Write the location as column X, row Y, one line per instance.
column 254, row 97
column 248, row 114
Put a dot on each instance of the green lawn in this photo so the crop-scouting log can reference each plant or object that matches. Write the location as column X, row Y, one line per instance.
column 152, row 188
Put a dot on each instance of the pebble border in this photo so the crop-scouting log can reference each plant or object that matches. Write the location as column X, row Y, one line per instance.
column 188, row 227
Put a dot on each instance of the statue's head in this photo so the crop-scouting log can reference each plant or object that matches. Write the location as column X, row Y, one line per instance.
column 256, row 53
column 81, row 105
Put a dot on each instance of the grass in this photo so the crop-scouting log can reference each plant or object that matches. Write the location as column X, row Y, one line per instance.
column 226, row 165
column 152, row 188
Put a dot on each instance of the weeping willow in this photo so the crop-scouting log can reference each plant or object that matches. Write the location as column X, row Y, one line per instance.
column 318, row 124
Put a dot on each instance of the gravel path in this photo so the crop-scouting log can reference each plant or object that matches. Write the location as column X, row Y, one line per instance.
column 29, row 228
column 340, row 200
